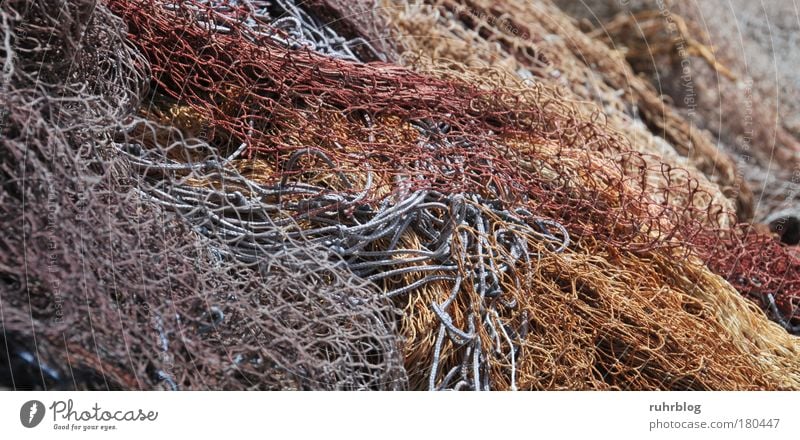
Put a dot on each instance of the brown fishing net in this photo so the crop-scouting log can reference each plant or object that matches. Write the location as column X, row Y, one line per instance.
column 290, row 216
column 537, row 42
column 729, row 69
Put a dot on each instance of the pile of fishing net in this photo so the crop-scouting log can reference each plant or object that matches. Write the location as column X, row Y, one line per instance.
column 236, row 195
column 730, row 70
column 102, row 288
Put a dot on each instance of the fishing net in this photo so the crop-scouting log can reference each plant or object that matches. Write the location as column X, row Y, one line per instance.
column 356, row 19
column 539, row 43
column 102, row 289
column 754, row 42
column 523, row 241
column 421, row 23
column 734, row 103
column 450, row 210
column 753, row 114
column 726, row 69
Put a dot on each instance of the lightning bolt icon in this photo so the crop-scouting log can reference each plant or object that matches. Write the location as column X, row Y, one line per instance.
column 34, row 410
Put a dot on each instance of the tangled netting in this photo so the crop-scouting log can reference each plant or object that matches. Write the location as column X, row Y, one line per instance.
column 538, row 43
column 268, row 210
column 287, row 24
column 101, row 289
column 742, row 95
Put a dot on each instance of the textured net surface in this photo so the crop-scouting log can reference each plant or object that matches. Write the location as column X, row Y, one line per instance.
column 101, row 289
column 539, row 43
column 421, row 26
column 269, row 202
column 450, row 210
column 747, row 103
column 721, row 75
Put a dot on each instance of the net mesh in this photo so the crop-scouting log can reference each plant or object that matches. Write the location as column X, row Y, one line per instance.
column 102, row 289
column 724, row 71
column 539, row 44
column 261, row 208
